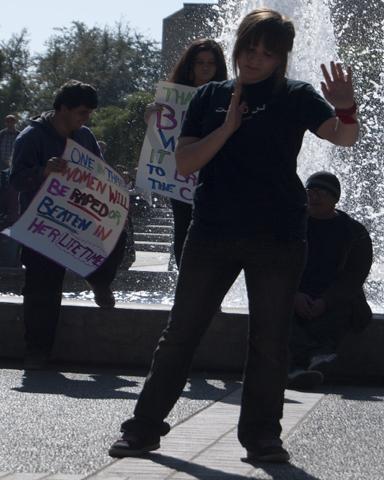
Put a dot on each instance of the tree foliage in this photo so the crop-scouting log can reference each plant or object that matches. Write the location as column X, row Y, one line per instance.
column 15, row 65
column 122, row 65
column 123, row 130
column 118, row 62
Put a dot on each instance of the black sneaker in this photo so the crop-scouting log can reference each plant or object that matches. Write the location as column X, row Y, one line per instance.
column 134, row 445
column 271, row 454
column 104, row 297
column 301, row 379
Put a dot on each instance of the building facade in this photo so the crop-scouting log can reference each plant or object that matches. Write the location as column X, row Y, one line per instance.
column 194, row 20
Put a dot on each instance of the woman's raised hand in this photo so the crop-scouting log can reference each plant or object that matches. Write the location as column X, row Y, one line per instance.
column 337, row 86
column 235, row 110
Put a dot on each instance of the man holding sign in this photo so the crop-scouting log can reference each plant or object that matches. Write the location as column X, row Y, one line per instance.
column 37, row 154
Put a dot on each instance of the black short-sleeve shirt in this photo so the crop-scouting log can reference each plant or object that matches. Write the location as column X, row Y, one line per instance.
column 250, row 185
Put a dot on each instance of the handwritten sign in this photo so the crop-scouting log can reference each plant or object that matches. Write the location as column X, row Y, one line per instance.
column 157, row 171
column 76, row 217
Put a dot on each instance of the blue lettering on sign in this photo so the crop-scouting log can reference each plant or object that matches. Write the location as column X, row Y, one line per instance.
column 114, row 177
column 167, row 142
column 157, row 170
column 61, row 216
column 81, row 158
column 162, row 186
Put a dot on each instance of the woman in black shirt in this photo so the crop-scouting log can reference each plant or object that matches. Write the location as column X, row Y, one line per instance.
column 249, row 213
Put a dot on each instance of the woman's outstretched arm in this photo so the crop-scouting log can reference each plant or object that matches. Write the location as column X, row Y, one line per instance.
column 337, row 88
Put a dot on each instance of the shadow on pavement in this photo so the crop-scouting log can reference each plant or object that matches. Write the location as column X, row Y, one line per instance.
column 201, row 472
column 98, row 386
column 201, row 389
column 106, row 384
column 354, row 392
column 282, row 471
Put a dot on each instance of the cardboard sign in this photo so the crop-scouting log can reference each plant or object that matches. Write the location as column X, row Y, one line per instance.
column 76, row 217
column 157, row 171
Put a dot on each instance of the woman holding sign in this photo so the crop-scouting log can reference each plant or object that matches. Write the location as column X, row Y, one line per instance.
column 249, row 213
column 202, row 62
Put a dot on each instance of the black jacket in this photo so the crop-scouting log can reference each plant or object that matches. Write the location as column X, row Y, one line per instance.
column 353, row 263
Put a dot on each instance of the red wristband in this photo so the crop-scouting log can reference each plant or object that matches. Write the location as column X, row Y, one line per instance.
column 348, row 120
column 346, row 111
column 345, row 114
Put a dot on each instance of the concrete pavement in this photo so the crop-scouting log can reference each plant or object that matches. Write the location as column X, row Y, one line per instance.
column 58, row 425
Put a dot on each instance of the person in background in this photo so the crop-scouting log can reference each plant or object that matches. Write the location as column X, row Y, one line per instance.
column 7, row 139
column 8, row 196
column 330, row 301
column 202, row 62
column 37, row 153
column 244, row 136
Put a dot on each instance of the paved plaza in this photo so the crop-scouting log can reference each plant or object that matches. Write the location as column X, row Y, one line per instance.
column 58, row 425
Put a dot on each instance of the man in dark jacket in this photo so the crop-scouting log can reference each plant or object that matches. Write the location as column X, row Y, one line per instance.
column 331, row 300
column 37, row 153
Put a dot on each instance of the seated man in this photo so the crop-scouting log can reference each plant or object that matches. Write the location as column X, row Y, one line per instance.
column 331, row 300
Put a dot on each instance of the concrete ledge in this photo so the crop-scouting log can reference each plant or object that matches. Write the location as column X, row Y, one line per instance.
column 127, row 335
column 124, row 336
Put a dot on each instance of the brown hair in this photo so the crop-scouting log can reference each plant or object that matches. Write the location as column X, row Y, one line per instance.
column 273, row 29
column 183, row 70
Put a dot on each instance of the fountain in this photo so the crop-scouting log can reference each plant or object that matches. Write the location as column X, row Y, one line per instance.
column 325, row 30
column 127, row 335
column 353, row 33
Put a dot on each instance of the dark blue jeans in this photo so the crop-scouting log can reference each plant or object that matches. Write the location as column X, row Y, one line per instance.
column 209, row 266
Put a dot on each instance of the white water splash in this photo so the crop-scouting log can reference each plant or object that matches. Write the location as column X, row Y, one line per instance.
column 361, row 168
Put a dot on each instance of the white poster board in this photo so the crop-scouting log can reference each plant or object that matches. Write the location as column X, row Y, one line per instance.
column 157, row 171
column 76, row 217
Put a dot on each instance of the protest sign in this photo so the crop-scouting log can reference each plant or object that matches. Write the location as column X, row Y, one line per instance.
column 77, row 216
column 157, row 171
